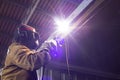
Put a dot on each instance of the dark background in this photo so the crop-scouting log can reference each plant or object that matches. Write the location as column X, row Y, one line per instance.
column 96, row 46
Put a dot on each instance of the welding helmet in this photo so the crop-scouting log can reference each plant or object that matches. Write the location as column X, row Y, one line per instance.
column 28, row 36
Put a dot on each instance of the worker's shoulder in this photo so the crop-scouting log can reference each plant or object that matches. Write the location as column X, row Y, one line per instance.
column 16, row 46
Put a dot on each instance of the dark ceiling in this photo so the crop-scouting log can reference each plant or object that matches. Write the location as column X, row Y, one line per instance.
column 95, row 46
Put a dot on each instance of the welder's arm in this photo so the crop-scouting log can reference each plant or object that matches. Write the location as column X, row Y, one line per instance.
column 30, row 60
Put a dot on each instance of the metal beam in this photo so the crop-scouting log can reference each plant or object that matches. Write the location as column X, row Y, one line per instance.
column 87, row 15
column 30, row 11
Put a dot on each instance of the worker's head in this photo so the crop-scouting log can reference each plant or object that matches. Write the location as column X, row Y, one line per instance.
column 27, row 36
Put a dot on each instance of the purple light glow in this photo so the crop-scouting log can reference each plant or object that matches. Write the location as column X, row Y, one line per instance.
column 63, row 26
column 56, row 52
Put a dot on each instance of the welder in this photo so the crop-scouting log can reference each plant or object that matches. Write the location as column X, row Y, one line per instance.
column 22, row 58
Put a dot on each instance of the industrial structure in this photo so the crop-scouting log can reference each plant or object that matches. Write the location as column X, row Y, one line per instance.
column 93, row 47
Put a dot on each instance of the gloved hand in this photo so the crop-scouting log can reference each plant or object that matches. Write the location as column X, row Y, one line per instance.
column 45, row 57
column 49, row 45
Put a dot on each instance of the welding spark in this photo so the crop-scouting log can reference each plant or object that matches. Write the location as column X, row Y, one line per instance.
column 62, row 26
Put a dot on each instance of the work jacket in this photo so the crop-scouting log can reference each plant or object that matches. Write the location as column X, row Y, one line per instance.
column 21, row 63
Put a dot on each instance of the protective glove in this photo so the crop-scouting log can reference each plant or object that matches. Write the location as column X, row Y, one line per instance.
column 45, row 57
column 49, row 45
column 46, row 50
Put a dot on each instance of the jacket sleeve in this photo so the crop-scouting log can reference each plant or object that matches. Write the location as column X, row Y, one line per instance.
column 27, row 59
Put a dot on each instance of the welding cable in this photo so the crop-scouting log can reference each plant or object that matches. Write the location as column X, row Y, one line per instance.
column 67, row 57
